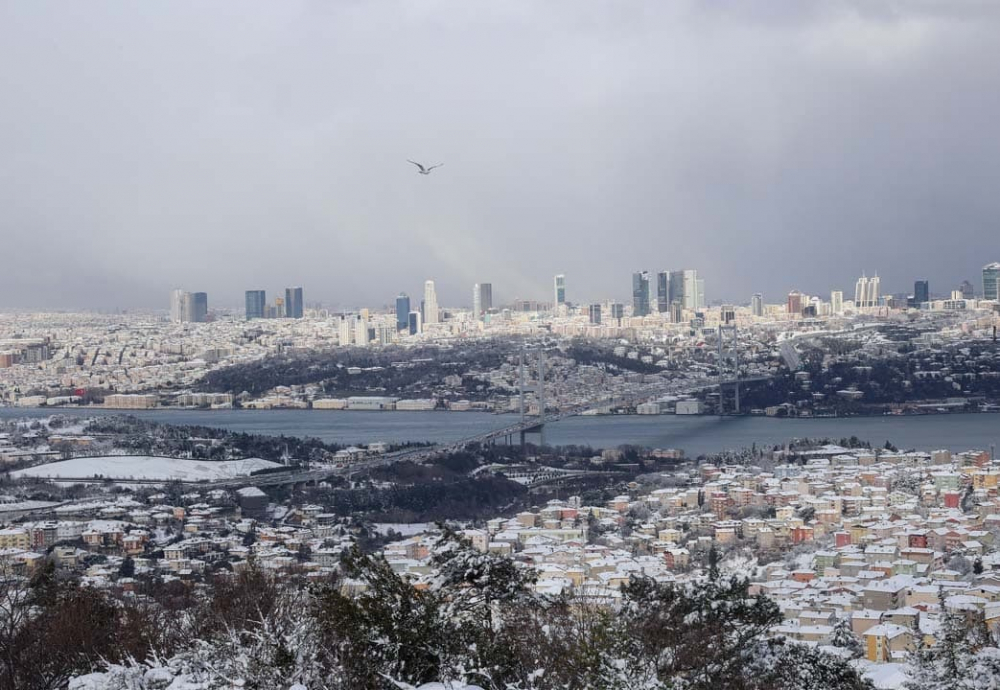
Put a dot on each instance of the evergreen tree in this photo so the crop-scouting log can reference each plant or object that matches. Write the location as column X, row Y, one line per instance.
column 844, row 638
column 127, row 568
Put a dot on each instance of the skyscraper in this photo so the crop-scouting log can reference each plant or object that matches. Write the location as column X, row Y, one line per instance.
column 344, row 331
column 617, row 311
column 430, row 303
column 595, row 314
column 794, row 304
column 199, row 307
column 177, row 305
column 837, row 302
column 640, row 293
column 968, row 292
column 402, row 311
column 482, row 299
column 694, row 290
column 677, row 287
column 188, row 306
column 860, row 291
column 866, row 292
column 361, row 330
column 757, row 304
column 559, row 291
column 255, row 302
column 991, row 281
column 921, row 292
column 663, row 291
column 293, row 302
column 873, row 291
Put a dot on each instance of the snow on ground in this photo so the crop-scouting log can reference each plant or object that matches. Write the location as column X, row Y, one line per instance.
column 146, row 467
column 407, row 529
column 884, row 676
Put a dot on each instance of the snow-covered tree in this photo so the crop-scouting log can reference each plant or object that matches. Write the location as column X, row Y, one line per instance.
column 844, row 638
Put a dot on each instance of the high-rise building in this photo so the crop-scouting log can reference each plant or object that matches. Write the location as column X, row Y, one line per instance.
column 177, row 305
column 482, row 299
column 693, row 290
column 640, row 293
column 594, row 311
column 794, row 305
column 256, row 300
column 873, row 291
column 727, row 314
column 199, row 307
column 861, row 291
column 559, row 291
column 866, row 292
column 293, row 303
column 344, row 331
column 188, row 306
column 757, row 304
column 663, row 291
column 921, row 293
column 968, row 292
column 361, row 330
column 837, row 302
column 402, row 311
column 617, row 311
column 676, row 287
column 414, row 323
column 430, row 303
column 676, row 312
column 991, row 281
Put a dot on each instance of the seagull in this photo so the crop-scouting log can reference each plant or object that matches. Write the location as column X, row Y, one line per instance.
column 423, row 170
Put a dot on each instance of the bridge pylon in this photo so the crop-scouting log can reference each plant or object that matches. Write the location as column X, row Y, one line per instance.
column 729, row 366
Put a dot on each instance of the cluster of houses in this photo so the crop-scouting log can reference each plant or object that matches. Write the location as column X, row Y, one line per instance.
column 186, row 542
column 882, row 543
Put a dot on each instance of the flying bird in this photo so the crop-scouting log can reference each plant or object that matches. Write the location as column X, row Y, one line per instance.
column 423, row 170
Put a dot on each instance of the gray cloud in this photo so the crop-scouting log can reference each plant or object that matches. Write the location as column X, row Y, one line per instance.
column 226, row 146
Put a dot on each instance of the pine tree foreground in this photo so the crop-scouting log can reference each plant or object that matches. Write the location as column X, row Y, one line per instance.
column 477, row 624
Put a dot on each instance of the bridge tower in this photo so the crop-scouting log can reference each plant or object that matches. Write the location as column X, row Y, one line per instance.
column 729, row 367
column 539, row 389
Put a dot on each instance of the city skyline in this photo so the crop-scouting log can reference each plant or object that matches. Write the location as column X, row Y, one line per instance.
column 227, row 145
column 660, row 291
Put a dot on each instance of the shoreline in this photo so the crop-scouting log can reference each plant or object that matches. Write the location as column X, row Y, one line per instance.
column 39, row 411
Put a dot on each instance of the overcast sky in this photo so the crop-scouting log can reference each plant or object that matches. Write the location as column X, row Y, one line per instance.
column 215, row 146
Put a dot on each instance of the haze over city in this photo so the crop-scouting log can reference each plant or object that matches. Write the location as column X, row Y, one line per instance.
column 770, row 147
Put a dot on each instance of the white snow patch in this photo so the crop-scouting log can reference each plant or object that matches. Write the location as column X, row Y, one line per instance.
column 146, row 467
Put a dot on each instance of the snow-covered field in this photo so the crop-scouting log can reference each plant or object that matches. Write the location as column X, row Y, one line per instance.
column 144, row 467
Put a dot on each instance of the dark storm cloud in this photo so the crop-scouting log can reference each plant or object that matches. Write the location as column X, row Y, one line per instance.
column 772, row 145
